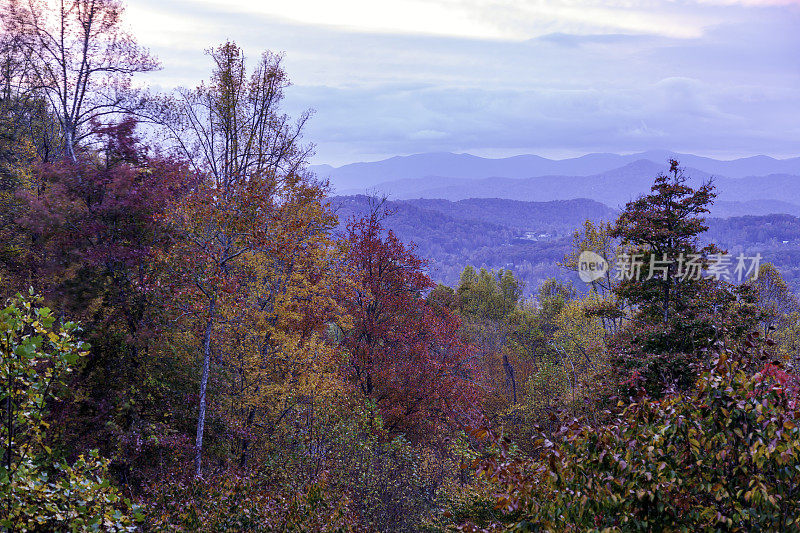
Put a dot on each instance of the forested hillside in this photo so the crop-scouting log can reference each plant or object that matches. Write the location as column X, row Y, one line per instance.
column 195, row 335
column 532, row 238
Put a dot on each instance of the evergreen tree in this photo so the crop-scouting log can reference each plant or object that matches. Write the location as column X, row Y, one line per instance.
column 681, row 300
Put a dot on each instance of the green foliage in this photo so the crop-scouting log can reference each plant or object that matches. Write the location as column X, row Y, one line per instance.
column 488, row 294
column 553, row 296
column 773, row 297
column 38, row 491
column 724, row 457
column 64, row 497
column 233, row 503
column 545, row 388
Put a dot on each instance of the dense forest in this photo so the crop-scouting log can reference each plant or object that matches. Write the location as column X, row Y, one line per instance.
column 195, row 336
column 532, row 238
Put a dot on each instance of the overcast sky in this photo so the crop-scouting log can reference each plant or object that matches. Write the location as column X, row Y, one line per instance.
column 502, row 77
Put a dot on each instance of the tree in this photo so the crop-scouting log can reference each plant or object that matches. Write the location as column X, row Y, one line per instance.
column 38, row 491
column 597, row 238
column 488, row 295
column 29, row 131
column 281, row 363
column 552, row 297
column 406, row 356
column 663, row 228
column 103, row 213
column 81, row 58
column 92, row 232
column 29, row 136
column 233, row 128
column 205, row 266
column 253, row 246
column 773, row 297
column 486, row 300
column 580, row 348
column 679, row 307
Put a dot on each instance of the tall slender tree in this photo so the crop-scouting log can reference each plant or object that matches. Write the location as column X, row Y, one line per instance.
column 244, row 226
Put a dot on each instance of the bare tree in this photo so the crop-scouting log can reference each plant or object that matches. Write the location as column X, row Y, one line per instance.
column 79, row 57
column 232, row 128
column 28, row 129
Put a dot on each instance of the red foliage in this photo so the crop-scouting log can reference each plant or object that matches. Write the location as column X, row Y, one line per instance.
column 94, row 227
column 408, row 357
column 782, row 381
column 103, row 212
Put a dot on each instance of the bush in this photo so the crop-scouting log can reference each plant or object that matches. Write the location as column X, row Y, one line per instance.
column 723, row 457
column 232, row 503
column 39, row 492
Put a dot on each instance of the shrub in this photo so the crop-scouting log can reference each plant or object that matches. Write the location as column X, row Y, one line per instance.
column 723, row 457
column 38, row 491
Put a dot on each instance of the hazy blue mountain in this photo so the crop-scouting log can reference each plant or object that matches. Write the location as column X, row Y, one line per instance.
column 755, row 195
column 724, row 209
column 613, row 187
column 360, row 177
column 531, row 238
column 555, row 217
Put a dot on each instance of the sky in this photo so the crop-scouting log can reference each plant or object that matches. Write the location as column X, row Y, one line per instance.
column 557, row 78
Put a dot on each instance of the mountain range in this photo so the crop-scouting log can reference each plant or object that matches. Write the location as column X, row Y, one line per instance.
column 749, row 186
column 531, row 238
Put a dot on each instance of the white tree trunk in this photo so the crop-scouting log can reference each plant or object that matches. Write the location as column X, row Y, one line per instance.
column 201, row 417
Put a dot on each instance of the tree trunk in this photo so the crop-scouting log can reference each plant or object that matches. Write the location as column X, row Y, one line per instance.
column 201, row 417
column 246, row 439
column 69, row 142
column 666, row 296
column 512, row 382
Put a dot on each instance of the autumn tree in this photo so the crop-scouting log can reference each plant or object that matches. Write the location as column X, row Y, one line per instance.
column 488, row 294
column 253, row 264
column 579, row 346
column 405, row 355
column 722, row 455
column 29, row 131
column 92, row 232
column 779, row 312
column 204, row 268
column 29, row 136
column 81, row 58
column 280, row 365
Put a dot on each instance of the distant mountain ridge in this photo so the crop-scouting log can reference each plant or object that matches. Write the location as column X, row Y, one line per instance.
column 359, row 177
column 531, row 238
column 556, row 217
column 752, row 195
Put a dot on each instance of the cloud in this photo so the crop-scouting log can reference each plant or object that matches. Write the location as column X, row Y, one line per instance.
column 563, row 77
column 673, row 113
